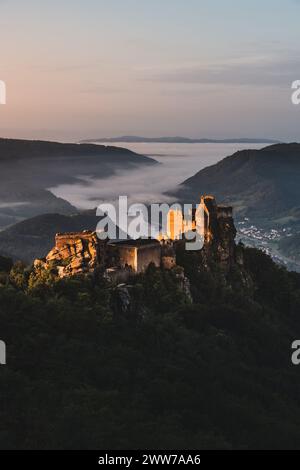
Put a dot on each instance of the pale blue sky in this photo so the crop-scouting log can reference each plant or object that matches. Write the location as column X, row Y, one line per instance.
column 77, row 69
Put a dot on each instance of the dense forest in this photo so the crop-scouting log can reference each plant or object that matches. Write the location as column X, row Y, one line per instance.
column 92, row 365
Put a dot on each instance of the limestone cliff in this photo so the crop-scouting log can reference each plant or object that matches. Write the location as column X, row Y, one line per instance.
column 73, row 253
column 220, row 233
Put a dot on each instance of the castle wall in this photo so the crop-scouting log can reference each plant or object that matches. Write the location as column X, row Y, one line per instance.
column 136, row 255
column 146, row 255
column 128, row 257
column 69, row 238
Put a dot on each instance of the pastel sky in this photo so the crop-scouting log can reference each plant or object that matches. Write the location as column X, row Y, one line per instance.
column 93, row 68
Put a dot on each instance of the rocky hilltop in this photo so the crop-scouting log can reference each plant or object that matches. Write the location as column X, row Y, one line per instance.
column 74, row 253
column 84, row 253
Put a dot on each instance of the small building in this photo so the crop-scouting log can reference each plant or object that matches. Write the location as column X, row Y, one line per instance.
column 136, row 254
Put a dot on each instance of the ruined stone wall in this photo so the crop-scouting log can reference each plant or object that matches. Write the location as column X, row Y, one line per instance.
column 127, row 256
column 146, row 255
column 69, row 238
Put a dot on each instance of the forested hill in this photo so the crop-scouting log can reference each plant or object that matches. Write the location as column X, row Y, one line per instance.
column 29, row 168
column 91, row 365
column 261, row 184
column 22, row 149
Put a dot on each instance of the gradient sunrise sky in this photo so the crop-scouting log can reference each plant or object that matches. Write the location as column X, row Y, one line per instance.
column 94, row 68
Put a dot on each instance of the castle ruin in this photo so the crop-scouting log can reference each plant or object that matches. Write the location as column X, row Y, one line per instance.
column 83, row 252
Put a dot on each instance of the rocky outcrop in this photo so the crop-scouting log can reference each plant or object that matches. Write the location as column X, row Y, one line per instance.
column 74, row 253
column 184, row 283
column 220, row 235
column 121, row 299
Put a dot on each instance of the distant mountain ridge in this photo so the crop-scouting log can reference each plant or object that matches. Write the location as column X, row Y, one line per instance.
column 20, row 148
column 180, row 140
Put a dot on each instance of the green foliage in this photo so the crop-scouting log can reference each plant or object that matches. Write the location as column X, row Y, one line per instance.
column 160, row 289
column 5, row 264
column 169, row 374
column 19, row 275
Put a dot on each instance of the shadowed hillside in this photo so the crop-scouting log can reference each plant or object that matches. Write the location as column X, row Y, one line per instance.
column 33, row 238
column 291, row 246
column 29, row 168
column 85, row 372
column 261, row 184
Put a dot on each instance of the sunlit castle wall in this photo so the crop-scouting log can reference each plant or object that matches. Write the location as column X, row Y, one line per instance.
column 175, row 224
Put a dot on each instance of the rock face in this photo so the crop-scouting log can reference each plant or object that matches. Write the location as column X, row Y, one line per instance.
column 184, row 284
column 74, row 253
column 121, row 299
column 220, row 233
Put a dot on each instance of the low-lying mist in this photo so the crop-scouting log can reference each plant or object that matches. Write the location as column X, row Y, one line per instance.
column 148, row 184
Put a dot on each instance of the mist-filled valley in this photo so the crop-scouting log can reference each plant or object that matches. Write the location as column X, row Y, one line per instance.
column 48, row 187
column 29, row 168
column 177, row 162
